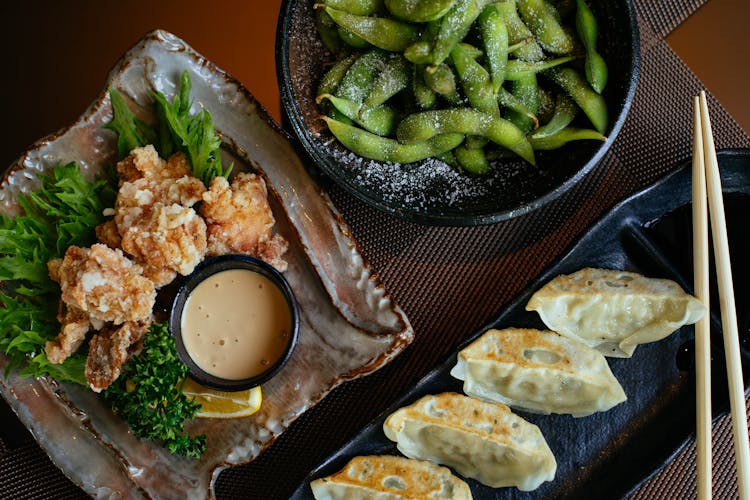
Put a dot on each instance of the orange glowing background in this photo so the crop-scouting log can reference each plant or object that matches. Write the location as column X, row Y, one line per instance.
column 56, row 55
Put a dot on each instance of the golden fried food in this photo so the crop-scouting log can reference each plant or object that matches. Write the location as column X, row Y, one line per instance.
column 104, row 284
column 108, row 234
column 153, row 215
column 75, row 325
column 239, row 220
column 110, row 349
column 172, row 237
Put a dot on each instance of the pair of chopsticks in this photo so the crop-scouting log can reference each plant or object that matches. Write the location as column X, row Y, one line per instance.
column 707, row 181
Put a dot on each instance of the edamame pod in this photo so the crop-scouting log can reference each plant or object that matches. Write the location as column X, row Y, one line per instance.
column 379, row 148
column 454, row 27
column 360, row 77
column 538, row 16
column 565, row 136
column 330, row 83
column 595, row 67
column 518, row 31
column 393, row 78
column 419, row 11
column 526, row 90
column 508, row 100
column 565, row 112
column 419, row 52
column 441, row 80
column 328, row 31
column 380, row 120
column 474, row 79
column 448, row 158
column 420, row 127
column 381, row 32
column 517, row 69
column 351, row 39
column 495, row 39
column 472, row 160
column 357, row 7
column 425, row 97
column 331, row 80
column 546, row 105
column 593, row 105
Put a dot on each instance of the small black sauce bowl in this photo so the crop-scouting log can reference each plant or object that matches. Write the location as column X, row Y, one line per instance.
column 206, row 269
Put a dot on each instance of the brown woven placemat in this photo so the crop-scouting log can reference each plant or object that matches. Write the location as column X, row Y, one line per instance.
column 451, row 281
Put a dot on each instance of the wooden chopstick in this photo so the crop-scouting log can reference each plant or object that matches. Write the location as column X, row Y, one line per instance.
column 702, row 327
column 728, row 308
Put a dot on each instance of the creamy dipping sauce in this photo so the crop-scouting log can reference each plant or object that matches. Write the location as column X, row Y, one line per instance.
column 236, row 324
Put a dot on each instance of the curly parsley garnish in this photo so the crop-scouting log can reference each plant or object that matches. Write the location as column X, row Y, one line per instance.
column 148, row 395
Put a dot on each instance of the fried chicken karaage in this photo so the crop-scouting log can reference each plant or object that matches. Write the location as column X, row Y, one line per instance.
column 110, row 349
column 153, row 214
column 99, row 286
column 155, row 234
column 239, row 220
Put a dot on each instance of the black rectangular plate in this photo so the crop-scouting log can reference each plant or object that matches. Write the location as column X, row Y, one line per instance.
column 607, row 455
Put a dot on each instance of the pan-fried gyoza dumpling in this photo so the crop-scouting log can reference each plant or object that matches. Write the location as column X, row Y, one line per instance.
column 481, row 440
column 538, row 371
column 614, row 311
column 385, row 477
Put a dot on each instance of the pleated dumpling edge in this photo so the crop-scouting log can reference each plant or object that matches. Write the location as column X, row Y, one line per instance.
column 614, row 311
column 480, row 440
column 538, row 371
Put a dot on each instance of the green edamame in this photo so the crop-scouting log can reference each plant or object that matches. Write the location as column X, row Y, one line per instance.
column 392, row 79
column 593, row 105
column 473, row 161
column 495, row 39
column 515, row 47
column 425, row 97
column 517, row 69
column 330, row 83
column 565, row 111
column 357, row 7
column 379, row 148
column 454, row 27
column 380, row 120
column 518, row 31
column 421, row 45
column 565, row 136
column 328, row 31
column 475, row 80
column 360, row 77
column 546, row 105
column 441, row 80
column 351, row 39
column 526, row 90
column 419, row 52
column 508, row 100
column 419, row 11
column 420, row 127
column 331, row 80
column 595, row 67
column 448, row 158
column 537, row 15
column 381, row 32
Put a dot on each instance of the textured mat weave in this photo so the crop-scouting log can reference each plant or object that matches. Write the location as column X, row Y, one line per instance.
column 450, row 281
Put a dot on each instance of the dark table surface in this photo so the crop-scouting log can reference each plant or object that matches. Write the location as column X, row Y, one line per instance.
column 57, row 54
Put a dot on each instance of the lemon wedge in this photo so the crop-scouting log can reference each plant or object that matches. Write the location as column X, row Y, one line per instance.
column 218, row 404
